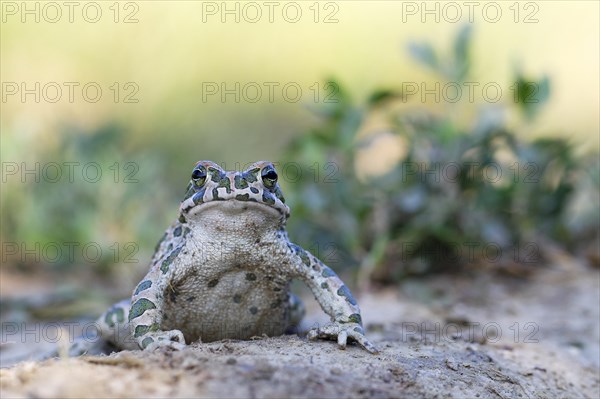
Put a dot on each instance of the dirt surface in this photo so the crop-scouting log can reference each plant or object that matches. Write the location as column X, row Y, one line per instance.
column 447, row 337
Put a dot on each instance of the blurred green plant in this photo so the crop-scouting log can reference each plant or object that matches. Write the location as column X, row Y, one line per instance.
column 86, row 202
column 533, row 196
column 459, row 196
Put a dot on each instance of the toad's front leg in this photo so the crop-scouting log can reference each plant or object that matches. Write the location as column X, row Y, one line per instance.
column 334, row 297
column 147, row 305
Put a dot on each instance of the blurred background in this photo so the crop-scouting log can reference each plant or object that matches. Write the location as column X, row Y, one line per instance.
column 411, row 138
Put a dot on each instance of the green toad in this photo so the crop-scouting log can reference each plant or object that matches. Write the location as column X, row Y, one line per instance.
column 223, row 270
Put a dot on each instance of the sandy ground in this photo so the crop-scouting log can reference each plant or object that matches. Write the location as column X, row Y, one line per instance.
column 447, row 337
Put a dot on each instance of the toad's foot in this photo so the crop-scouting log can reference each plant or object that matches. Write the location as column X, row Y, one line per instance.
column 172, row 339
column 341, row 332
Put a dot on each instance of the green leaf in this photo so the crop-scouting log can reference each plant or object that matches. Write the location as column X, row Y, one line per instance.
column 380, row 96
column 530, row 94
column 424, row 53
column 462, row 59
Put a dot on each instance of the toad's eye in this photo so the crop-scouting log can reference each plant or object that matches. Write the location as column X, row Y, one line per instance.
column 269, row 177
column 199, row 176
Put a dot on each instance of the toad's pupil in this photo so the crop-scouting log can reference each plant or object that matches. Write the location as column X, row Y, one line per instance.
column 197, row 174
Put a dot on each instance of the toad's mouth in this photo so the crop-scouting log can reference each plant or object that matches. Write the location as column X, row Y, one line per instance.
column 233, row 201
